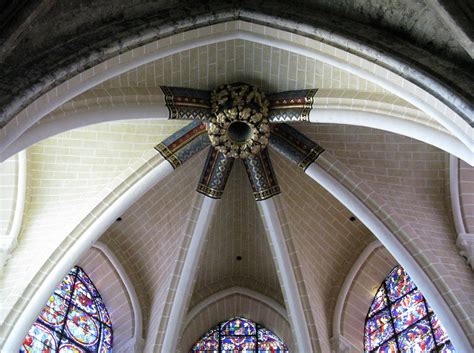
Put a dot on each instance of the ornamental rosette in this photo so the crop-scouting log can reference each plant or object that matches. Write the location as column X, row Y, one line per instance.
column 239, row 126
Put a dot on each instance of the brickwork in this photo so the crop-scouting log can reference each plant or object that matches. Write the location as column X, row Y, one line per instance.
column 401, row 180
column 150, row 236
column 75, row 176
column 45, row 235
column 361, row 294
column 30, row 115
column 237, row 230
column 8, row 193
column 466, row 195
column 235, row 305
column 326, row 241
column 270, row 68
column 113, row 292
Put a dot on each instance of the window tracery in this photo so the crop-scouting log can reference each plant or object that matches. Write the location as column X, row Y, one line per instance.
column 239, row 335
column 401, row 320
column 74, row 320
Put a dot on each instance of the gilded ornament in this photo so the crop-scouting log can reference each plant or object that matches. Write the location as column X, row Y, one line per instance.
column 239, row 126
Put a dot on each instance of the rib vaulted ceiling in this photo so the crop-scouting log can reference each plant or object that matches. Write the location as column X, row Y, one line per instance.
column 74, row 164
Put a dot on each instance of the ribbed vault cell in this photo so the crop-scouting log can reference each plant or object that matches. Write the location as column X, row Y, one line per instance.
column 237, row 252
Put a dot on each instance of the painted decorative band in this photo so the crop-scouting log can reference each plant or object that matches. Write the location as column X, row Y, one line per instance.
column 294, row 145
column 215, row 174
column 187, row 103
column 291, row 105
column 184, row 143
column 209, row 192
column 261, row 175
column 266, row 194
column 167, row 154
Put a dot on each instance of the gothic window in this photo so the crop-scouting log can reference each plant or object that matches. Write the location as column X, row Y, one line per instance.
column 74, row 320
column 239, row 335
column 400, row 319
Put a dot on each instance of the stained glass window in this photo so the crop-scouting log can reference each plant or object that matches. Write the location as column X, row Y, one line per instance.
column 400, row 319
column 74, row 320
column 239, row 335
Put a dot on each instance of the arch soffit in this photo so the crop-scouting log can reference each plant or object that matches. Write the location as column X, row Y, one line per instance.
column 274, row 305
column 216, row 299
column 245, row 31
column 127, row 284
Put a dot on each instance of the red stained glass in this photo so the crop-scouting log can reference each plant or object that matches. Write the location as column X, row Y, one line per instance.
column 210, row 342
column 377, row 321
column 82, row 330
column 239, row 335
column 380, row 335
column 400, row 319
column 439, row 331
column 69, row 348
column 237, row 327
column 387, row 347
column 55, row 311
column 398, row 283
column 83, row 298
column 269, row 342
column 408, row 310
column 380, row 301
column 238, row 343
column 417, row 338
column 40, row 339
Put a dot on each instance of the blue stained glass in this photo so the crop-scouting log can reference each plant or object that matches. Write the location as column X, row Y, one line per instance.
column 398, row 283
column 440, row 333
column 376, row 338
column 70, row 348
column 408, row 310
column 239, row 335
column 104, row 314
column 237, row 327
column 82, row 328
column 210, row 342
column 417, row 338
column 85, row 278
column 85, row 329
column 65, row 287
column 377, row 321
column 380, row 301
column 83, row 298
column 400, row 319
column 269, row 342
column 239, row 343
column 387, row 347
column 40, row 339
column 54, row 312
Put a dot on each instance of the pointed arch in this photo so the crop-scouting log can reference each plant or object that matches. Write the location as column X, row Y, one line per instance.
column 74, row 318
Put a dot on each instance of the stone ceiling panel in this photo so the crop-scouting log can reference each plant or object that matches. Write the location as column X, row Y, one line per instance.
column 409, row 176
column 237, row 230
column 327, row 242
column 361, row 294
column 8, row 192
column 270, row 68
column 148, row 238
column 113, row 292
